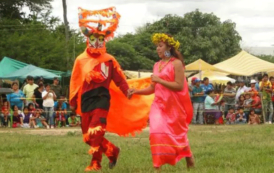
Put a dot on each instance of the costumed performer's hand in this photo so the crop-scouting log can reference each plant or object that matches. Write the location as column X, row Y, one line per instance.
column 130, row 92
column 155, row 78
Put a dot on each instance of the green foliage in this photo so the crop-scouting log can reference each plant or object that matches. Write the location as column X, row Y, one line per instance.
column 201, row 35
column 40, row 39
column 12, row 9
column 269, row 58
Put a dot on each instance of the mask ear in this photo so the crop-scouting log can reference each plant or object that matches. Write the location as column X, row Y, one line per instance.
column 86, row 32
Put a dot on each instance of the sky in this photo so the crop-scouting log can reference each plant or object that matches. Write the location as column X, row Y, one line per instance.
column 254, row 18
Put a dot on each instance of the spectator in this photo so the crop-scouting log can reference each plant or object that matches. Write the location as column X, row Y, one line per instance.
column 5, row 106
column 272, row 83
column 73, row 120
column 253, row 118
column 15, row 98
column 256, row 105
column 237, row 85
column 253, row 89
column 211, row 106
column 198, row 102
column 38, row 121
column 5, row 119
column 240, row 102
column 241, row 117
column 61, row 103
column 48, row 103
column 25, row 118
column 257, row 86
column 190, row 86
column 16, row 118
column 231, row 116
column 60, row 117
column 31, row 108
column 242, row 88
column 229, row 97
column 56, row 88
column 206, row 86
column 37, row 96
column 29, row 89
column 247, row 104
column 266, row 89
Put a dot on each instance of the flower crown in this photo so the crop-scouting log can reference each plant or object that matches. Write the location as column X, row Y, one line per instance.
column 161, row 37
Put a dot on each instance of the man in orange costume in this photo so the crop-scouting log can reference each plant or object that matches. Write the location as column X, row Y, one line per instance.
column 92, row 74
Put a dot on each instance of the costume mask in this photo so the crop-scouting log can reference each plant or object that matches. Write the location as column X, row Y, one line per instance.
column 98, row 26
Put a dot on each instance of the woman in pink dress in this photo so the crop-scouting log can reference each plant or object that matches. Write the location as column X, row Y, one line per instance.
column 171, row 111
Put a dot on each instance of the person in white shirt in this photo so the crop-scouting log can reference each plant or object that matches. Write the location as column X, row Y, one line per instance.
column 242, row 88
column 48, row 103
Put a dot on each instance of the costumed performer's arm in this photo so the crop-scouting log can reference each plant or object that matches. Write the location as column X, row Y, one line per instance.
column 75, row 82
column 119, row 80
column 178, row 84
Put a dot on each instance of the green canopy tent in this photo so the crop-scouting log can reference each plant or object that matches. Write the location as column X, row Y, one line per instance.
column 8, row 65
column 30, row 70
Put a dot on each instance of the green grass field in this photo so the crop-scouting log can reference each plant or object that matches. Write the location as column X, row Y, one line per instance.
column 225, row 149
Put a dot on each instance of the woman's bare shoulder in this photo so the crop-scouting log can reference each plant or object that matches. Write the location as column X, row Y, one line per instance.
column 177, row 63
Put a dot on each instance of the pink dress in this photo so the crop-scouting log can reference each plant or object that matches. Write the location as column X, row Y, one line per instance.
column 171, row 112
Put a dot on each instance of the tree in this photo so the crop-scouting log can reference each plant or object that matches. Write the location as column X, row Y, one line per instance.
column 12, row 9
column 127, row 56
column 66, row 29
column 201, row 35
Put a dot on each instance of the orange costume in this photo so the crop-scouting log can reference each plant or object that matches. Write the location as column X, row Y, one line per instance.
column 102, row 105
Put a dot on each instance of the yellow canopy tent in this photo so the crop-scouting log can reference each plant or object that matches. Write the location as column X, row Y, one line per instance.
column 201, row 65
column 215, row 77
column 245, row 64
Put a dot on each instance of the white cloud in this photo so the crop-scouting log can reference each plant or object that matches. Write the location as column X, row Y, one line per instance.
column 254, row 18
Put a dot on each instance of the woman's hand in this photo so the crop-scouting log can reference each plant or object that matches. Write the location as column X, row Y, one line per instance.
column 155, row 78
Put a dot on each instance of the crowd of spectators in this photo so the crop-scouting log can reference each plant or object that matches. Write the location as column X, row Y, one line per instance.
column 237, row 103
column 37, row 105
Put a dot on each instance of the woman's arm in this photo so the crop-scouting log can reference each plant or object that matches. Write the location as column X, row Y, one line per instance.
column 147, row 91
column 178, row 84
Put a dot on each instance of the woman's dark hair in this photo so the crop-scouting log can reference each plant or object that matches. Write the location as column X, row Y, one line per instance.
column 265, row 75
column 241, row 97
column 39, row 86
column 177, row 54
column 13, row 107
column 14, row 83
column 260, row 77
column 209, row 92
column 229, row 83
column 47, row 85
column 30, row 105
